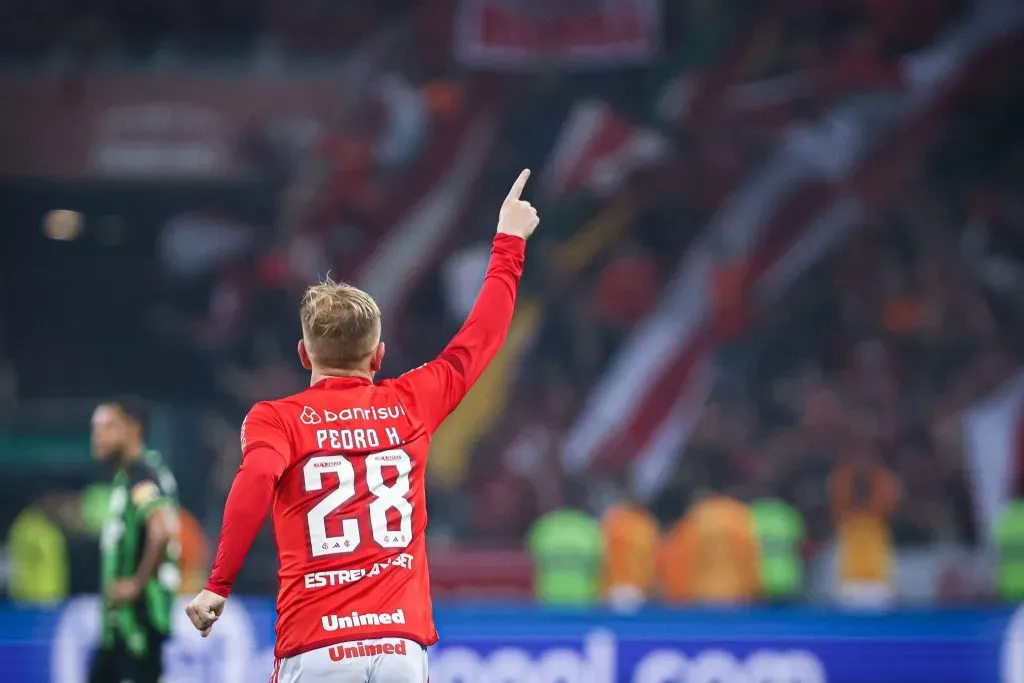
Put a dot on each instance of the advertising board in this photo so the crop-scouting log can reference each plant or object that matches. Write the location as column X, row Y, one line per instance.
column 516, row 644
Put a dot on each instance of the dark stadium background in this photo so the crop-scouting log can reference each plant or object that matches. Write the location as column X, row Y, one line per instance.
column 778, row 237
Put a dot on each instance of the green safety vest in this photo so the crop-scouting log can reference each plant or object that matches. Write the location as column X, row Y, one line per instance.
column 1009, row 538
column 779, row 530
column 567, row 548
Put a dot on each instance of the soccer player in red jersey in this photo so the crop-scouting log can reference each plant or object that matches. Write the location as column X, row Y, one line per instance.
column 342, row 465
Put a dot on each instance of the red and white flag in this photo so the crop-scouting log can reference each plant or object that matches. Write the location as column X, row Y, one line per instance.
column 783, row 220
column 597, row 149
column 521, row 35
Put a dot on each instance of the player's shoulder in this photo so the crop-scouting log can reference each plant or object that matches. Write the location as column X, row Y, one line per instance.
column 404, row 387
column 279, row 410
column 144, row 482
column 406, row 377
column 147, row 466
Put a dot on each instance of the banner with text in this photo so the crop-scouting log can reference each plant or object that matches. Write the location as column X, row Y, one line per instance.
column 520, row 35
column 151, row 127
column 515, row 644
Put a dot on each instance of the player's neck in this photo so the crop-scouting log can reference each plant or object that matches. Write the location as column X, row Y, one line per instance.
column 130, row 455
column 320, row 374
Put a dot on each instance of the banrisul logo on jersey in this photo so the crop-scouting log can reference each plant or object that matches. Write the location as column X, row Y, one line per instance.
column 603, row 659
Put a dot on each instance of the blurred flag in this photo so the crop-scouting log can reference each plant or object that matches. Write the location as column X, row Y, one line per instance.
column 597, row 149
column 521, row 35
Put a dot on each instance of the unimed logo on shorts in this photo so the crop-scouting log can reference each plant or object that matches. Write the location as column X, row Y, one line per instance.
column 333, row 622
column 340, row 652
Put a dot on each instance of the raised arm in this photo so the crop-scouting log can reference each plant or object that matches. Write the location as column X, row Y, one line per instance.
column 435, row 389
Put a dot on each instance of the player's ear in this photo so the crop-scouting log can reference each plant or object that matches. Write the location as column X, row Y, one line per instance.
column 377, row 359
column 304, row 355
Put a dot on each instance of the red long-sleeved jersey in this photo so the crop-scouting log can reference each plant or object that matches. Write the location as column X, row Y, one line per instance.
column 343, row 463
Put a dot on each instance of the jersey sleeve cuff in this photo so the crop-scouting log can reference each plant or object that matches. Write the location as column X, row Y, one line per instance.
column 511, row 244
column 221, row 589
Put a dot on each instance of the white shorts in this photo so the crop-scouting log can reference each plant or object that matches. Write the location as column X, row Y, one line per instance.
column 380, row 660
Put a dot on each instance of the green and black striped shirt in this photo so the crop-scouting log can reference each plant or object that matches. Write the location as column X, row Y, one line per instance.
column 138, row 490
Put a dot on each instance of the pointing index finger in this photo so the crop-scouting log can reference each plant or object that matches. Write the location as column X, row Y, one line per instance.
column 517, row 187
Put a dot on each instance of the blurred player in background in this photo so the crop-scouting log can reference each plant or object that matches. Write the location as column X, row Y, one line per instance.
column 343, row 465
column 139, row 550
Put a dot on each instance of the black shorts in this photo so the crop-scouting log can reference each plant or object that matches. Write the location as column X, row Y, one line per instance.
column 117, row 664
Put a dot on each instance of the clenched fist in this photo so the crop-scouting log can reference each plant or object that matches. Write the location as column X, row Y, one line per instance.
column 204, row 610
column 518, row 217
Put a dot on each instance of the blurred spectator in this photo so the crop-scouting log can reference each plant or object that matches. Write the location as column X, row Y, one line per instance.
column 1009, row 537
column 194, row 243
column 863, row 498
column 780, row 531
column 631, row 539
column 710, row 556
column 462, row 274
column 37, row 553
column 506, row 506
column 407, row 120
column 567, row 548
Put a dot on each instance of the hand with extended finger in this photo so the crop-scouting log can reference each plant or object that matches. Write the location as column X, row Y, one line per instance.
column 518, row 217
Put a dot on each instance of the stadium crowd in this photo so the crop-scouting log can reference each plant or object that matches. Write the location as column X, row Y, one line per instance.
column 858, row 376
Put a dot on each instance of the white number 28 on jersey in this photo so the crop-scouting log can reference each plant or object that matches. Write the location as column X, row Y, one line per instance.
column 384, row 498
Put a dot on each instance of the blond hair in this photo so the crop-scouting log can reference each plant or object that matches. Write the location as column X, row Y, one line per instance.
column 340, row 324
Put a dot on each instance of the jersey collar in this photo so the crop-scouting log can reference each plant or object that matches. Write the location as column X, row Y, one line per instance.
column 342, row 382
